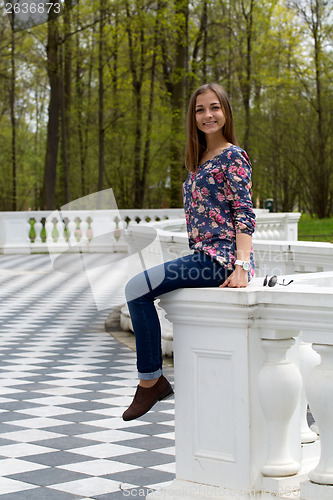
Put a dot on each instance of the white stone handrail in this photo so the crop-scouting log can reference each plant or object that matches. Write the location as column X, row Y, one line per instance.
column 269, row 226
column 52, row 231
column 239, row 411
column 47, row 231
column 271, row 256
column 277, row 226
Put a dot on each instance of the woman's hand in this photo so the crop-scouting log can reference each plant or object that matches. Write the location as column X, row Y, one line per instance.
column 237, row 279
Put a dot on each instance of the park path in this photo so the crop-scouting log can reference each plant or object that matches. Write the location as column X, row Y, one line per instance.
column 64, row 384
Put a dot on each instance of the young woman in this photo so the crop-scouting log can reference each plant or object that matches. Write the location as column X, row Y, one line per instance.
column 220, row 222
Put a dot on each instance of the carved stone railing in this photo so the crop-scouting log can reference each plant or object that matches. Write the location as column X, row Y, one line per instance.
column 47, row 231
column 271, row 256
column 241, row 388
column 55, row 231
column 269, row 226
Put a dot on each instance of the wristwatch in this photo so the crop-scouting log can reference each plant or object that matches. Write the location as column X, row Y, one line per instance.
column 245, row 265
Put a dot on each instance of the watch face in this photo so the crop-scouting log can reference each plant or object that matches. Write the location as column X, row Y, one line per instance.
column 246, row 266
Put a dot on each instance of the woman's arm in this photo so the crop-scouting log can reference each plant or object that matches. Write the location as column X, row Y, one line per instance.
column 239, row 277
column 238, row 182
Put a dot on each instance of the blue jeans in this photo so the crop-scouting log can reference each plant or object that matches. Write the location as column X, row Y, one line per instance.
column 192, row 271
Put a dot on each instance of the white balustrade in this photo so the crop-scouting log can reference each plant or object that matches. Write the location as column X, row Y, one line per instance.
column 238, row 390
column 14, row 237
column 271, row 257
column 62, row 231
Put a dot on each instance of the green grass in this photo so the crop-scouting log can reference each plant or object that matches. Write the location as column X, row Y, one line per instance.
column 313, row 229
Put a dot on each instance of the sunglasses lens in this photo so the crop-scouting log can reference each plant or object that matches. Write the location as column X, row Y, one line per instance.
column 272, row 281
column 265, row 281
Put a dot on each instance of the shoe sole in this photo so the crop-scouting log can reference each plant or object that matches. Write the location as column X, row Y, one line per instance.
column 166, row 394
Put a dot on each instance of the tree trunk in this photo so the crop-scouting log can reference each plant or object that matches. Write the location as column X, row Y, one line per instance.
column 145, row 167
column 53, row 70
column 322, row 191
column 13, row 122
column 137, row 72
column 83, row 122
column 63, row 129
column 248, row 73
column 101, row 130
column 178, row 105
column 79, row 97
column 66, row 97
column 201, row 33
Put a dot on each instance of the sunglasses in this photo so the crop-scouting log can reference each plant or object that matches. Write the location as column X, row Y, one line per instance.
column 274, row 281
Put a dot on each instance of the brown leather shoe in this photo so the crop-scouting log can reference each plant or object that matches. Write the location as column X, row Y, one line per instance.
column 145, row 398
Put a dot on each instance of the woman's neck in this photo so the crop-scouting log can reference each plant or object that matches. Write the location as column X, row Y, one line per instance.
column 215, row 143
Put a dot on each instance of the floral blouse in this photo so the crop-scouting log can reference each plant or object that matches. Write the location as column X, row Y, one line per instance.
column 217, row 202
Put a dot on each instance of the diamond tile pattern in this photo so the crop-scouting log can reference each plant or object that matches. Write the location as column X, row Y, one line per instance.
column 64, row 384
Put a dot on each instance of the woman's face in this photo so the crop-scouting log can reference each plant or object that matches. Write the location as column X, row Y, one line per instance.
column 208, row 113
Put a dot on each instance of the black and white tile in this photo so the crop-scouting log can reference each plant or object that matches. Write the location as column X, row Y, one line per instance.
column 64, row 384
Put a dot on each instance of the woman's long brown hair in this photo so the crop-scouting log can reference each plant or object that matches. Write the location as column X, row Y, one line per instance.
column 195, row 138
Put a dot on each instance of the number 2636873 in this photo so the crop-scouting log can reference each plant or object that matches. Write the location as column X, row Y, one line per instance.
column 33, row 8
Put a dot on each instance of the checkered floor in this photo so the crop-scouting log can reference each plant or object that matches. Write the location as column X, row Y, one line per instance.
column 64, row 384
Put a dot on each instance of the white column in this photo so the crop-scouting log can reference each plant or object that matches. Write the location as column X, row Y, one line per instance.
column 60, row 228
column 319, row 389
column 279, row 388
column 38, row 226
column 49, row 226
column 84, row 228
column 308, row 360
column 71, row 228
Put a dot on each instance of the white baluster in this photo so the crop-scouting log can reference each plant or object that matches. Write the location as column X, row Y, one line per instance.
column 281, row 231
column 89, row 232
column 263, row 232
column 28, row 232
column 319, row 389
column 38, row 228
column 279, row 390
column 270, row 232
column 84, row 228
column 277, row 235
column 308, row 360
column 71, row 228
column 60, row 228
column 49, row 226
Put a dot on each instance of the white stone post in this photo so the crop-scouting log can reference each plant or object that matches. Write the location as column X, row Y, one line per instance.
column 279, row 390
column 60, row 228
column 84, row 229
column 212, row 396
column 308, row 360
column 49, row 226
column 71, row 228
column 14, row 233
column 319, row 389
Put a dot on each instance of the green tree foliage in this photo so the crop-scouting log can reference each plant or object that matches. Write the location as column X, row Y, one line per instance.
column 100, row 99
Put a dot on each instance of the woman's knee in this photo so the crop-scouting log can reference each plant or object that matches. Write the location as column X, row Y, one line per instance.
column 136, row 287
